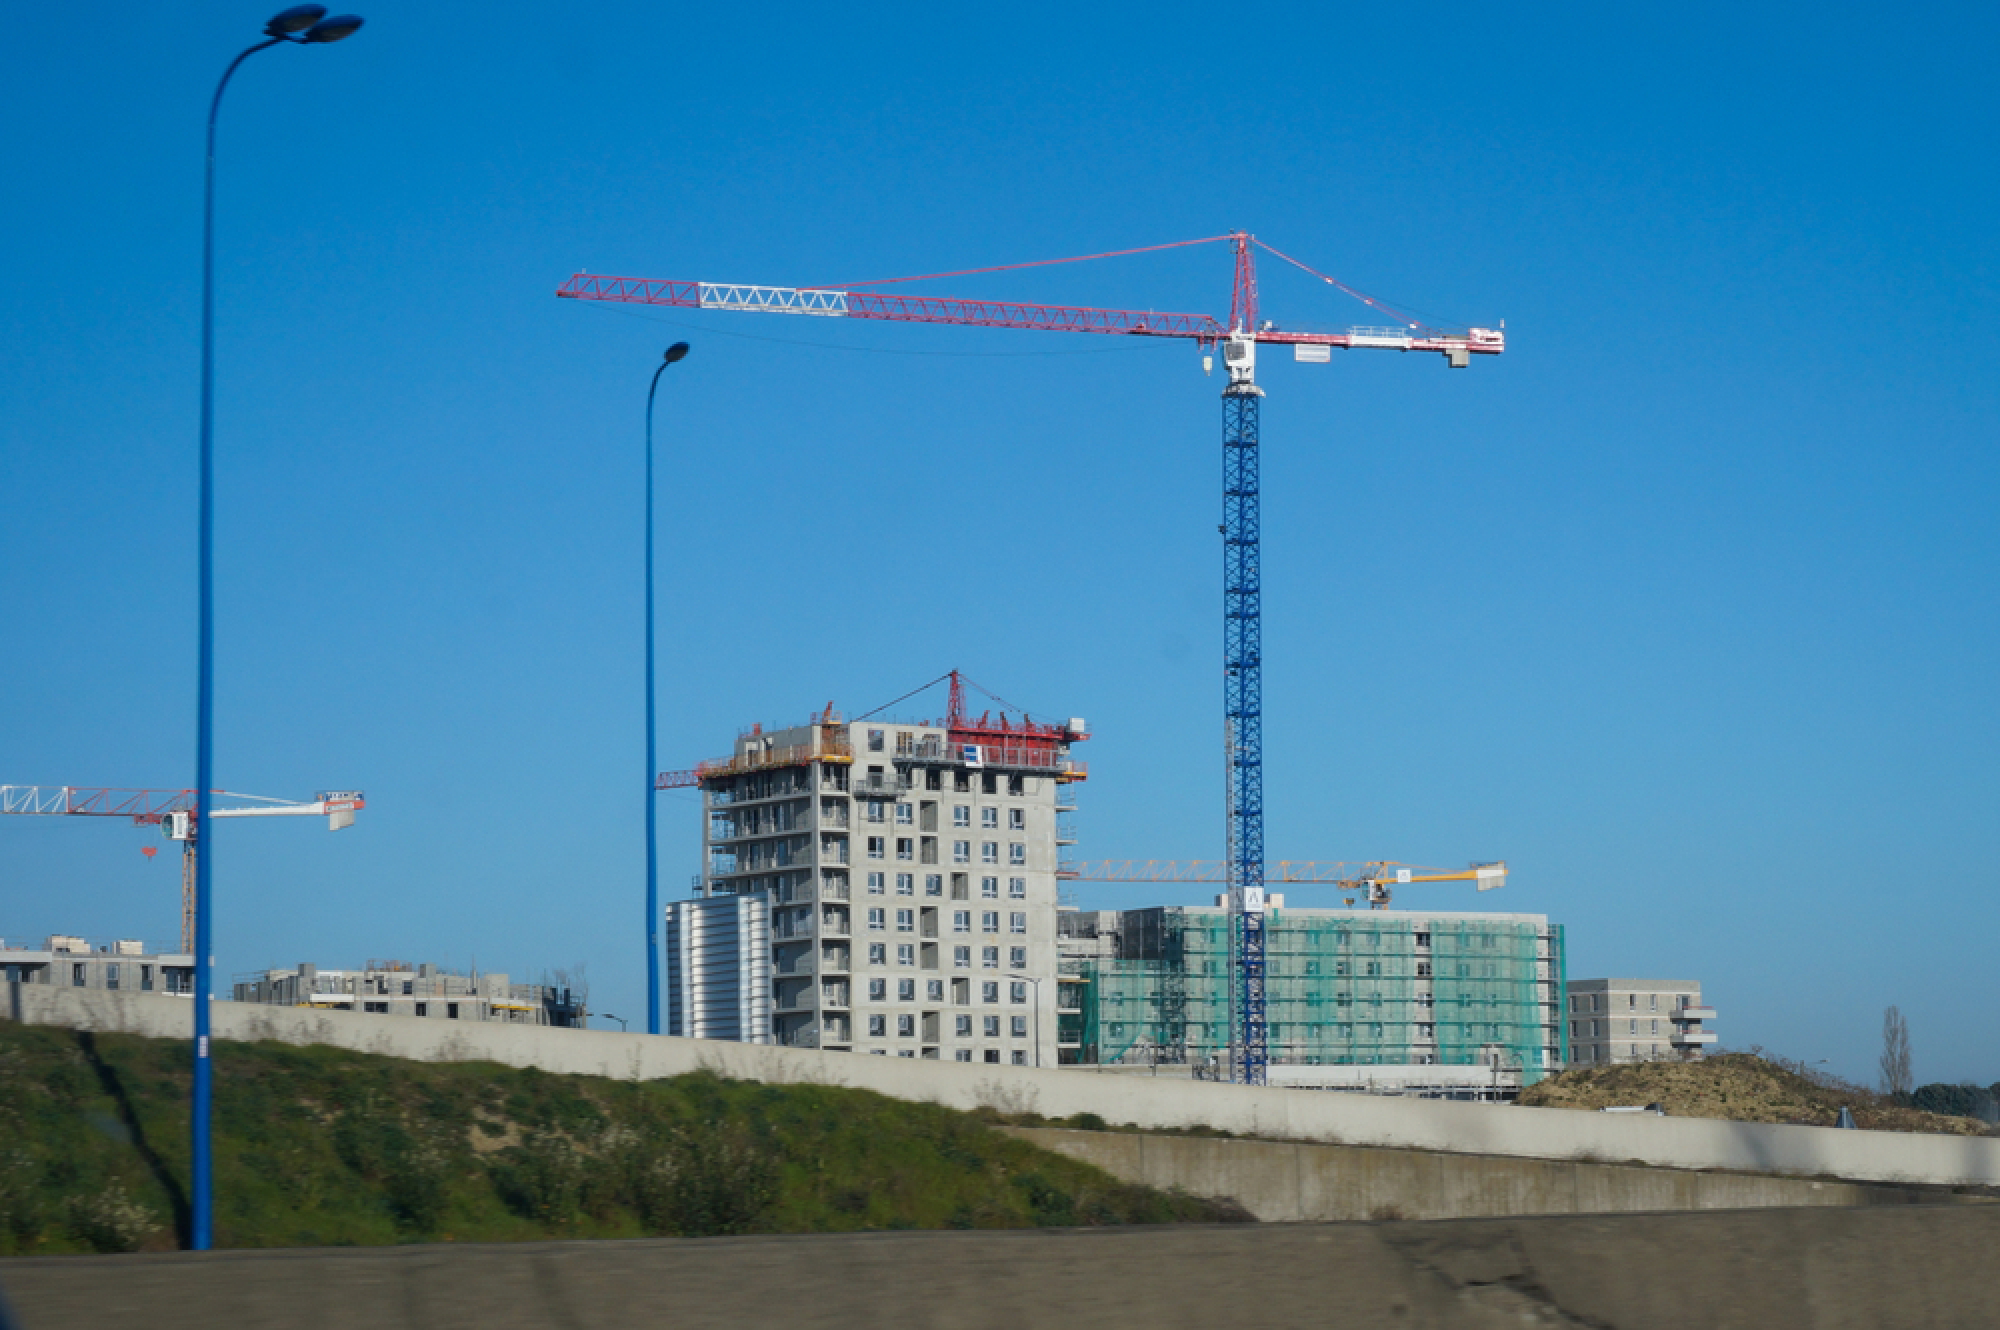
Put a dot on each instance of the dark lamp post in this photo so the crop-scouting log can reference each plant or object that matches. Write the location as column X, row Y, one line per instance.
column 283, row 27
column 675, row 352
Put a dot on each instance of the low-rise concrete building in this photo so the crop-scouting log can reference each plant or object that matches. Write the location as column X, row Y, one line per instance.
column 1636, row 1020
column 394, row 988
column 126, row 965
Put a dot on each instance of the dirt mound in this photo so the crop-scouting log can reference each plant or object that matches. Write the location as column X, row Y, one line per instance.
column 1741, row 1087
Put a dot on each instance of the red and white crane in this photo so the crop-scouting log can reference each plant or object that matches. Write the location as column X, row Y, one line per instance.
column 1238, row 337
column 173, row 812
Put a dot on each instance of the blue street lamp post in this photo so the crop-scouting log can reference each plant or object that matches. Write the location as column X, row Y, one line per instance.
column 674, row 352
column 301, row 25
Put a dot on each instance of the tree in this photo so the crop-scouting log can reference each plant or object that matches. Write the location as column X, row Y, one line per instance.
column 1895, row 1053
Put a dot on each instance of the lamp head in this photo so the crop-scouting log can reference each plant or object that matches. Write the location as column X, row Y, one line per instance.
column 677, row 351
column 296, row 19
column 334, row 29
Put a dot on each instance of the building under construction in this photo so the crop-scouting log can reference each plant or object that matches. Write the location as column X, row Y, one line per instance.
column 907, row 872
column 397, row 988
column 1460, row 1004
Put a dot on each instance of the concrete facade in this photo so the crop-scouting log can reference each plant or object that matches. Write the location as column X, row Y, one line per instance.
column 124, row 966
column 425, row 992
column 1161, row 1103
column 1290, row 1183
column 1636, row 1020
column 911, row 874
column 1908, row 1268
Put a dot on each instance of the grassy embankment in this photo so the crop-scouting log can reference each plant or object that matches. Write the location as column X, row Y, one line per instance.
column 320, row 1146
column 1741, row 1087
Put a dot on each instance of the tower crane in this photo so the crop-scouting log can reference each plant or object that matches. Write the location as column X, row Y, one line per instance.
column 1376, row 878
column 1238, row 338
column 173, row 812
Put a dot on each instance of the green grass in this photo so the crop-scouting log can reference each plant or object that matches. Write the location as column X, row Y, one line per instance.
column 318, row 1146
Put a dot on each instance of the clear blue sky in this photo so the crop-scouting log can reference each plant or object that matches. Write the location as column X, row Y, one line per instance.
column 1685, row 606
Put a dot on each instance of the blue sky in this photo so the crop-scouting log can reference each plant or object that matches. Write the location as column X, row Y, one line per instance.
column 1685, row 606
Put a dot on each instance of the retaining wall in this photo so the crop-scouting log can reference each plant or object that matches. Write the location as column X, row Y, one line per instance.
column 1293, row 1115
column 1917, row 1266
column 1283, row 1182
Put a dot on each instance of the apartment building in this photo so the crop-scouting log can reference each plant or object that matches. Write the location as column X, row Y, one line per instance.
column 719, row 968
column 396, row 988
column 126, row 965
column 1447, row 1004
column 910, row 874
column 1637, row 1020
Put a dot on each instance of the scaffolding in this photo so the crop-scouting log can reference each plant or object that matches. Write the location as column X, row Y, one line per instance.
column 1341, row 989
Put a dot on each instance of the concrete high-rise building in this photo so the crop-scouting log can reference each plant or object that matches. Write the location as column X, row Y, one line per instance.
column 1465, row 1005
column 910, row 873
column 1637, row 1020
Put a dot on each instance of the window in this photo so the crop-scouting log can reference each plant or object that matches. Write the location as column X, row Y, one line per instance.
column 1017, row 958
column 961, row 815
column 933, row 884
column 1017, row 819
column 878, row 990
column 963, row 1027
column 423, row 1008
column 1017, row 993
column 1653, row 1001
column 989, row 782
column 1017, row 887
column 906, row 884
column 874, row 810
column 961, row 851
column 1631, row 1002
column 961, row 958
column 1632, row 1027
column 111, row 976
column 146, row 978
column 874, row 741
column 934, row 990
column 964, row 1054
column 990, row 992
column 989, row 888
column 1373, row 969
column 906, row 848
column 1019, row 1027
column 992, row 1027
column 989, row 817
column 906, row 921
column 989, row 852
column 76, row 976
column 1426, row 1030
column 451, row 1011
column 906, row 990
column 989, row 921
column 961, row 921
column 906, row 953
column 878, row 953
column 960, row 883
column 875, row 881
column 1423, row 969
column 906, row 814
column 877, row 847
column 878, row 1026
column 1656, row 1030
column 992, row 1055
column 1426, row 1001
column 1017, row 922
column 989, row 958
column 1017, row 853
column 878, row 919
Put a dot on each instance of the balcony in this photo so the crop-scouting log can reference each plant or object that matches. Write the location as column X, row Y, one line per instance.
column 1694, row 1014
column 881, row 784
column 1691, row 1038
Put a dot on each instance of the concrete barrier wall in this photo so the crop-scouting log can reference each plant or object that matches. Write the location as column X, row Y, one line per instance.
column 1291, row 1115
column 1283, row 1182
column 1887, row 1269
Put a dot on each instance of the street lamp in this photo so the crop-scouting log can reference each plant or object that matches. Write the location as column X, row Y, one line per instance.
column 1036, row 980
column 673, row 353
column 301, row 25
column 609, row 1017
